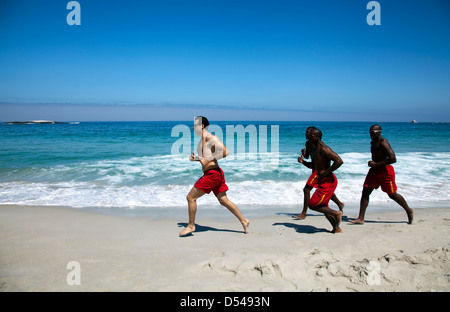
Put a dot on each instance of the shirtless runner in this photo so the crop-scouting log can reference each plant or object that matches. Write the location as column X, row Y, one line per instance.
column 381, row 173
column 210, row 149
column 312, row 180
column 322, row 157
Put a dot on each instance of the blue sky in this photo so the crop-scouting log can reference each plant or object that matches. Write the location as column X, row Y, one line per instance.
column 228, row 60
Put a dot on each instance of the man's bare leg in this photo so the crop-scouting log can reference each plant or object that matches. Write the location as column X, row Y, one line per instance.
column 338, row 202
column 363, row 205
column 402, row 202
column 334, row 223
column 192, row 208
column 306, row 196
column 333, row 216
column 224, row 201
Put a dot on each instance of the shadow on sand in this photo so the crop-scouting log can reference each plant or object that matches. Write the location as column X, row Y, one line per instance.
column 202, row 228
column 301, row 228
column 344, row 218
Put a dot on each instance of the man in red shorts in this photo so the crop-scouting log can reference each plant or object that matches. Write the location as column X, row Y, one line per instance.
column 312, row 180
column 322, row 157
column 210, row 149
column 381, row 173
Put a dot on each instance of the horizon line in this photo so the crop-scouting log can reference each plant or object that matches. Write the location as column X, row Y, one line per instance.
column 228, row 120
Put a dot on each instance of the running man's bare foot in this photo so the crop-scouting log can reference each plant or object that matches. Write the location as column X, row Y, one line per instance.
column 337, row 229
column 410, row 216
column 245, row 225
column 300, row 216
column 357, row 221
column 187, row 230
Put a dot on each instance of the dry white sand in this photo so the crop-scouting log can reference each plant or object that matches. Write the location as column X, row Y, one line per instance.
column 279, row 253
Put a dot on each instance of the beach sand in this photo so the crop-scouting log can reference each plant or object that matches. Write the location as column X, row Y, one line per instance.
column 279, row 254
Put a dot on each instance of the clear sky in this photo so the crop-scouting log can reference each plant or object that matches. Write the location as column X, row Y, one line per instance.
column 225, row 59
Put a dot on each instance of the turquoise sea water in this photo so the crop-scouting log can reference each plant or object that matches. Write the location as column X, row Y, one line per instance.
column 132, row 166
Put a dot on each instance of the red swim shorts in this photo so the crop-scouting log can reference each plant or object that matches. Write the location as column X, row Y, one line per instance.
column 384, row 176
column 212, row 180
column 325, row 190
column 312, row 181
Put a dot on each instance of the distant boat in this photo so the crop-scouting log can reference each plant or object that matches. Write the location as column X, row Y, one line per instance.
column 414, row 121
column 32, row 122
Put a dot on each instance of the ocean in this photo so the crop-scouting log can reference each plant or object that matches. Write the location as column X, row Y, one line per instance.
column 143, row 168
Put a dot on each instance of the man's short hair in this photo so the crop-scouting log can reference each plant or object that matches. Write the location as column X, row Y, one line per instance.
column 204, row 120
column 318, row 132
column 375, row 125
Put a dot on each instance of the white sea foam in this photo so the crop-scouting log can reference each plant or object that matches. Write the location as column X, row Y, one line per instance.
column 164, row 181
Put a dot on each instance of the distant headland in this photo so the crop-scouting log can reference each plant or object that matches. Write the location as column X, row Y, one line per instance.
column 30, row 122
